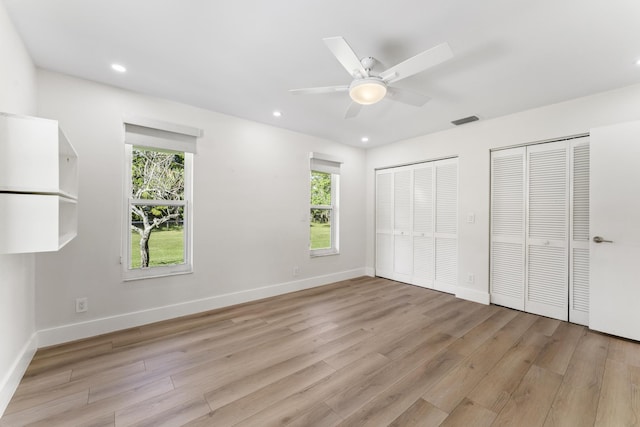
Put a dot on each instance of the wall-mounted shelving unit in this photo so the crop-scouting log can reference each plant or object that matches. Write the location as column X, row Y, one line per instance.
column 38, row 185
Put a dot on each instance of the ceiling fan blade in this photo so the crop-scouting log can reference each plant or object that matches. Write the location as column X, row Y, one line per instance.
column 407, row 96
column 418, row 63
column 347, row 57
column 353, row 110
column 319, row 90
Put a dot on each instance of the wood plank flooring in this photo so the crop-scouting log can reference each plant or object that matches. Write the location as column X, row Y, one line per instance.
column 359, row 352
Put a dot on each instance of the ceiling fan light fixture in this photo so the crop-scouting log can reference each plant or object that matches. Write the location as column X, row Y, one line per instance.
column 367, row 91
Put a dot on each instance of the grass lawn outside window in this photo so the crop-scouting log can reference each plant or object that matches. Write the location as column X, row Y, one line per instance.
column 166, row 247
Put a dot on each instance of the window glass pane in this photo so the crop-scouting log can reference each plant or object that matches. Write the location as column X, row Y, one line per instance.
column 157, row 175
column 320, row 228
column 160, row 239
column 320, row 188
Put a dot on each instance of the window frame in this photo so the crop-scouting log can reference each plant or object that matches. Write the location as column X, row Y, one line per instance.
column 334, row 216
column 166, row 270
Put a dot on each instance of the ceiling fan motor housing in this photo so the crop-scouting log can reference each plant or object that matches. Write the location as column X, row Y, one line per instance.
column 368, row 62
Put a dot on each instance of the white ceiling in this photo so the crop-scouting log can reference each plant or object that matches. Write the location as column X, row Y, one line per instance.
column 240, row 57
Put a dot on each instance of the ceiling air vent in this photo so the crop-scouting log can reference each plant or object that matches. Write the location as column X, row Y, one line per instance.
column 465, row 120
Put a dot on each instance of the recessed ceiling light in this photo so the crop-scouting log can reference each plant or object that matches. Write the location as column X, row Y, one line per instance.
column 364, row 139
column 277, row 113
column 119, row 68
column 638, row 62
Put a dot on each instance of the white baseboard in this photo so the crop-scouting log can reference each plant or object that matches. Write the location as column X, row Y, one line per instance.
column 76, row 331
column 370, row 271
column 473, row 295
column 12, row 379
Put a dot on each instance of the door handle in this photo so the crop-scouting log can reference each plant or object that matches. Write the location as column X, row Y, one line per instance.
column 598, row 239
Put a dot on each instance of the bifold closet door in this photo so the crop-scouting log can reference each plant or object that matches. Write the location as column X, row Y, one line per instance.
column 508, row 187
column 540, row 229
column 547, row 284
column 417, row 224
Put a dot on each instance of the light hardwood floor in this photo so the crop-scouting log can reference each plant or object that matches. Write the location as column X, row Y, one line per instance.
column 359, row 352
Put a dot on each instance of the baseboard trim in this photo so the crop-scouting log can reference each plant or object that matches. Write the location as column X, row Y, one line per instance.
column 12, row 379
column 473, row 295
column 76, row 331
column 370, row 271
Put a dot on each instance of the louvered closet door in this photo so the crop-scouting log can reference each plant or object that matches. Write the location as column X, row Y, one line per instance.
column 423, row 243
column 579, row 241
column 547, row 287
column 446, row 225
column 384, row 224
column 402, row 218
column 508, row 227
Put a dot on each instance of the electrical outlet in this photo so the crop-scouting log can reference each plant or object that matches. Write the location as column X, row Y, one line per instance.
column 471, row 218
column 82, row 304
column 296, row 271
column 470, row 278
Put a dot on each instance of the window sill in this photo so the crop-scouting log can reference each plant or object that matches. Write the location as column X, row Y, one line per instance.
column 155, row 272
column 323, row 253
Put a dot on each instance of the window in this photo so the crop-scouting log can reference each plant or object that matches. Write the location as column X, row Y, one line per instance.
column 323, row 219
column 158, row 190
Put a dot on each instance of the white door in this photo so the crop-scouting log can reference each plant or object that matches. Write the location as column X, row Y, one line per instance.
column 614, row 210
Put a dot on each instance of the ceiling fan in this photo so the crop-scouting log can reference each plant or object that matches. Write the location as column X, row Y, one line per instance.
column 367, row 88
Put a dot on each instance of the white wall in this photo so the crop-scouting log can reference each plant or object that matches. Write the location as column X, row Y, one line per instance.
column 17, row 328
column 251, row 198
column 471, row 143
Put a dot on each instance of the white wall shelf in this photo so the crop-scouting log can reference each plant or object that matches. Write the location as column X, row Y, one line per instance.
column 38, row 185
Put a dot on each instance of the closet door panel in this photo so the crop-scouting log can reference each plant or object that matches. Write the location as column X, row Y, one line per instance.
column 579, row 241
column 446, row 225
column 547, row 289
column 423, row 243
column 507, row 266
column 402, row 239
column 384, row 224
